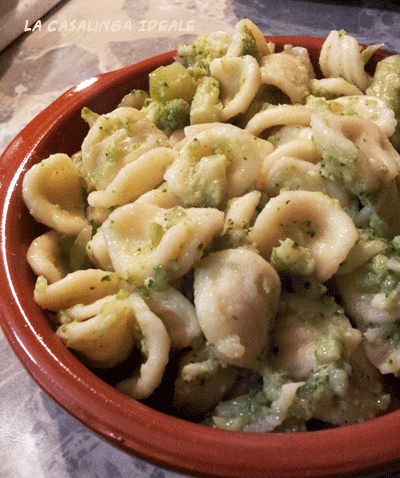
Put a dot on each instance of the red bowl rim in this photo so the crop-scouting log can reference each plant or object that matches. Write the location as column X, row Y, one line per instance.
column 151, row 435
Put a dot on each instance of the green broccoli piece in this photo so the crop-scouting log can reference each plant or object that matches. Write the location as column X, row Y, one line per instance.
column 169, row 116
column 381, row 276
column 198, row 55
column 292, row 258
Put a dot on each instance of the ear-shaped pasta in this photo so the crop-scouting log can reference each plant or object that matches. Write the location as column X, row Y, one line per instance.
column 248, row 39
column 281, row 115
column 236, row 299
column 298, row 175
column 202, row 382
column 52, row 191
column 288, row 73
column 206, row 106
column 239, row 216
column 310, row 332
column 97, row 251
column 45, row 258
column 333, row 88
column 114, row 140
column 219, row 162
column 312, row 220
column 239, row 80
column 151, row 245
column 341, row 57
column 355, row 151
column 105, row 337
column 369, row 107
column 382, row 351
column 365, row 308
column 155, row 346
column 161, row 197
column 241, row 210
column 178, row 315
column 135, row 179
column 80, row 287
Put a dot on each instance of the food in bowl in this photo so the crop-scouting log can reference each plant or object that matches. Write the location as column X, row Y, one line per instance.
column 226, row 243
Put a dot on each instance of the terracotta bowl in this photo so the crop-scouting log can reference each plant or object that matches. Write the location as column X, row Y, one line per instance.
column 149, row 434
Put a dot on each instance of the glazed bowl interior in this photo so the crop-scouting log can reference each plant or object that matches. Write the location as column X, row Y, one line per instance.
column 137, row 428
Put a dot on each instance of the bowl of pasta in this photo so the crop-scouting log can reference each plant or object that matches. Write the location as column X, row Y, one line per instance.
column 201, row 255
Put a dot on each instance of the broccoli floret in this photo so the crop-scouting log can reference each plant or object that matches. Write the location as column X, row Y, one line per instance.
column 290, row 257
column 169, row 116
column 381, row 276
column 197, row 56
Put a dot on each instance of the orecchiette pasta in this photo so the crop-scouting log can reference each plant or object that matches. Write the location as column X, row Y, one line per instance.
column 281, row 115
column 52, row 191
column 217, row 164
column 312, row 220
column 115, row 140
column 288, row 73
column 202, row 238
column 155, row 346
column 151, row 244
column 146, row 173
column 341, row 57
column 236, row 326
column 105, row 337
column 45, row 258
column 239, row 79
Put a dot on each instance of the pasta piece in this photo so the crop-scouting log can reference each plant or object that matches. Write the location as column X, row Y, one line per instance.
column 247, row 39
column 288, row 73
column 134, row 179
column 161, row 197
column 350, row 394
column 382, row 348
column 98, row 253
column 298, row 175
column 239, row 79
column 333, row 88
column 178, row 315
column 150, row 246
column 295, row 142
column 312, row 220
column 52, row 191
column 341, row 57
column 218, row 163
column 365, row 308
column 241, row 210
column 206, row 106
column 45, row 258
column 310, row 332
column 202, row 381
column 355, row 151
column 104, row 338
column 374, row 109
column 116, row 139
column 364, row 249
column 155, row 346
column 239, row 216
column 280, row 115
column 236, row 326
column 79, row 287
column 134, row 99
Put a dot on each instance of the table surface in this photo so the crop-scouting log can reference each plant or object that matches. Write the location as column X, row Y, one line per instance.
column 37, row 438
